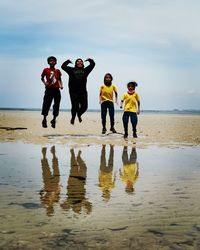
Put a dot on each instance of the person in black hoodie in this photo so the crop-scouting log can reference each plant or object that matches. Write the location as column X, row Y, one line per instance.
column 77, row 86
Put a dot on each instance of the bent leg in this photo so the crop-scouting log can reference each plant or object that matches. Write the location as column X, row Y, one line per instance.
column 75, row 105
column 56, row 106
column 47, row 100
column 83, row 104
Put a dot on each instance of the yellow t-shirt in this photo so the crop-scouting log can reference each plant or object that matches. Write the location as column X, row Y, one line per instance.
column 130, row 102
column 106, row 92
column 129, row 173
column 106, row 181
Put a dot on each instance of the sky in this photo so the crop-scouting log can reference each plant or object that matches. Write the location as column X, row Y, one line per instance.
column 153, row 42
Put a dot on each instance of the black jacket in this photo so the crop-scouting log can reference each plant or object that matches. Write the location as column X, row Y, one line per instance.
column 78, row 76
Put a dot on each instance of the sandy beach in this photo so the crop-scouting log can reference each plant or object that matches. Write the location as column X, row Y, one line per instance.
column 153, row 129
column 73, row 188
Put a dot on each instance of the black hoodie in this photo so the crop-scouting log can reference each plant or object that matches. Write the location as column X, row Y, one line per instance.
column 78, row 76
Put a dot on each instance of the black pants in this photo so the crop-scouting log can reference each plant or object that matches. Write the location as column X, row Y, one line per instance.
column 79, row 103
column 107, row 105
column 134, row 121
column 50, row 95
column 132, row 158
column 104, row 166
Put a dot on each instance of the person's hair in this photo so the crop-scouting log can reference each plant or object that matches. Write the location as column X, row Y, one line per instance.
column 133, row 84
column 108, row 74
column 51, row 58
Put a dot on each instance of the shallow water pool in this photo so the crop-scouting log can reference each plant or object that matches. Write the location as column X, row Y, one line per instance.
column 99, row 197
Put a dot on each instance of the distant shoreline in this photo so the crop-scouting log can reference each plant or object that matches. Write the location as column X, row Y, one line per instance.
column 174, row 111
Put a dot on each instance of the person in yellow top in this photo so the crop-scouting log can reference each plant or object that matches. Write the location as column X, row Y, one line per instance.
column 131, row 108
column 106, row 176
column 129, row 173
column 106, row 100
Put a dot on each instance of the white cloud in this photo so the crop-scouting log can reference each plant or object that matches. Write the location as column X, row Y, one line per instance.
column 153, row 42
column 154, row 21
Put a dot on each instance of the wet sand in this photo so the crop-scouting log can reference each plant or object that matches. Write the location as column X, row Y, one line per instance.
column 73, row 188
column 153, row 129
column 99, row 197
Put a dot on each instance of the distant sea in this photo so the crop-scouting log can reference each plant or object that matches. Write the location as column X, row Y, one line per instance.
column 174, row 111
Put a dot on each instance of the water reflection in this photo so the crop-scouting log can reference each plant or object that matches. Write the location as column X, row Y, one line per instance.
column 75, row 197
column 130, row 170
column 50, row 193
column 106, row 177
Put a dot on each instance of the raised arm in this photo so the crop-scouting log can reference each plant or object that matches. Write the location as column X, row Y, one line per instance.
column 65, row 66
column 91, row 65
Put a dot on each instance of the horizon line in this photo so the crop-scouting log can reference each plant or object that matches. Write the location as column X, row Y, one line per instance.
column 95, row 110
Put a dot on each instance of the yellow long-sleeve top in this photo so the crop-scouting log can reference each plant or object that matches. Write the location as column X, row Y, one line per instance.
column 106, row 92
column 131, row 101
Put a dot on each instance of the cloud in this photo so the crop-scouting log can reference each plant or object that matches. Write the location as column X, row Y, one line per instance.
column 154, row 42
column 110, row 22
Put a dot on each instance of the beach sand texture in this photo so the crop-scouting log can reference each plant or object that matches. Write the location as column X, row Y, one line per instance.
column 153, row 129
column 69, row 187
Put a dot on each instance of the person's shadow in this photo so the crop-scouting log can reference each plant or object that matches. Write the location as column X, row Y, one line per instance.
column 106, row 177
column 50, row 192
column 75, row 197
column 130, row 170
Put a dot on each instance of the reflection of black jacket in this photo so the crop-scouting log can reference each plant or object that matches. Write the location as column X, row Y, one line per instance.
column 78, row 76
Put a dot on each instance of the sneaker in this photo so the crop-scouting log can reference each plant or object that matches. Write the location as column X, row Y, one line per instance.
column 53, row 123
column 125, row 136
column 104, row 130
column 44, row 123
column 113, row 130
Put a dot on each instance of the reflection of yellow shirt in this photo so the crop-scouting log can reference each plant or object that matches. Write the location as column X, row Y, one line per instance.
column 129, row 173
column 106, row 92
column 130, row 102
column 106, row 181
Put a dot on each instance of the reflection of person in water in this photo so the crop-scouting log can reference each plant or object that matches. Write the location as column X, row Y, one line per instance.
column 50, row 193
column 76, row 186
column 130, row 172
column 106, row 178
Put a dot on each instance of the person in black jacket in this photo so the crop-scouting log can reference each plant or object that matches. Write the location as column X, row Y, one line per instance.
column 77, row 86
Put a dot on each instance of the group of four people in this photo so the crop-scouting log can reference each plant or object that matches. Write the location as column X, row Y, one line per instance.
column 51, row 77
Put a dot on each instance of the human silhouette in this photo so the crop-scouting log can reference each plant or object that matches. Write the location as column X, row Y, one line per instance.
column 50, row 193
column 75, row 197
column 106, row 177
column 130, row 171
column 78, row 86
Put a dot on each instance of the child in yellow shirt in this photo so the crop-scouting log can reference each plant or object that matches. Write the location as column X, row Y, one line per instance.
column 106, row 100
column 131, row 108
column 106, row 177
column 130, row 171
